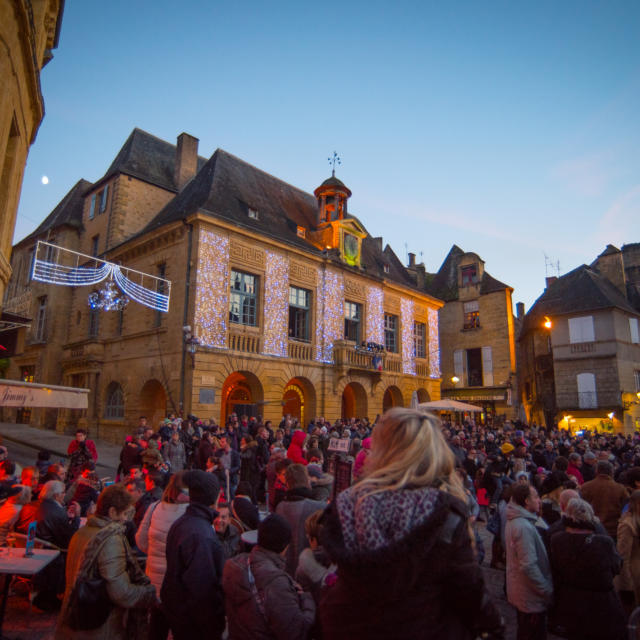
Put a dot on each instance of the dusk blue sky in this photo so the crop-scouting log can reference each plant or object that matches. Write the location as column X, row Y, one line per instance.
column 508, row 128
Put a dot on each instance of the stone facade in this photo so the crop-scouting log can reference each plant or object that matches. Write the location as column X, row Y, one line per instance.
column 135, row 362
column 28, row 32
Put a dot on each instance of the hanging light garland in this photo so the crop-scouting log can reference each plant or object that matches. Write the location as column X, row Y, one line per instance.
column 375, row 315
column 109, row 298
column 330, row 324
column 434, row 345
column 408, row 352
column 276, row 305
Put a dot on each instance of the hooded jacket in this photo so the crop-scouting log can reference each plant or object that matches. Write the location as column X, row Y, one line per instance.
column 529, row 584
column 406, row 569
column 288, row 614
column 294, row 452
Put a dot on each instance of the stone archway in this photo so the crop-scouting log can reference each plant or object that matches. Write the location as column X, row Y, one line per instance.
column 423, row 395
column 241, row 393
column 299, row 400
column 153, row 402
column 392, row 398
column 354, row 401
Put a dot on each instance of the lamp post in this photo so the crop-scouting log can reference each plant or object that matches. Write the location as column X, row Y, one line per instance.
column 191, row 344
column 455, row 380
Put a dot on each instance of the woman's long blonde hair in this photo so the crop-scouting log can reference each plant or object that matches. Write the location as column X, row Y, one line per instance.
column 408, row 450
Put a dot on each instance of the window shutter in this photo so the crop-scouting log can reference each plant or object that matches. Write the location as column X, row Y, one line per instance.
column 458, row 367
column 103, row 200
column 581, row 329
column 587, row 397
column 633, row 327
column 487, row 367
column 92, row 207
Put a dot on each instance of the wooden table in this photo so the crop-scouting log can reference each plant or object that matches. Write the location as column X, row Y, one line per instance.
column 15, row 563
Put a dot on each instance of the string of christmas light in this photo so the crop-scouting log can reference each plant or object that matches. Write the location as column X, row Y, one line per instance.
column 108, row 298
column 434, row 345
column 212, row 289
column 56, row 265
column 276, row 305
column 406, row 319
column 375, row 315
column 331, row 314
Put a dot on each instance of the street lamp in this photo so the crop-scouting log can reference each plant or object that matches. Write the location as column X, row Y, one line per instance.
column 455, row 380
column 191, row 344
column 547, row 324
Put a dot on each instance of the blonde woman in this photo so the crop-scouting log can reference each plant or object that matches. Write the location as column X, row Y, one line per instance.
column 629, row 549
column 401, row 540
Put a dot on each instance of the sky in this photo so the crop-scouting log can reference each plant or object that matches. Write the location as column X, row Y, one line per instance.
column 511, row 129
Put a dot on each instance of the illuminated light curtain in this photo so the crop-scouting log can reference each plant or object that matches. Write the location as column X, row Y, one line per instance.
column 276, row 305
column 408, row 356
column 330, row 322
column 434, row 345
column 375, row 315
column 212, row 289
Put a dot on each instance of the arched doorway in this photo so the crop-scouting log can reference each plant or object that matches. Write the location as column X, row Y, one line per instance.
column 241, row 393
column 153, row 402
column 354, row 401
column 299, row 400
column 423, row 396
column 392, row 398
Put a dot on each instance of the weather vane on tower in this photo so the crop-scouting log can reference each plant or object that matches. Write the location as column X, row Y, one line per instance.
column 335, row 158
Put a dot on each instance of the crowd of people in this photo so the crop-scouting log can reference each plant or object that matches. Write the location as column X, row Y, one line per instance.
column 236, row 531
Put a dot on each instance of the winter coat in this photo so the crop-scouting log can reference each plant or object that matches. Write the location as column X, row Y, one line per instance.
column 585, row 602
column 249, row 471
column 313, row 568
column 130, row 456
column 191, row 592
column 406, row 569
column 231, row 541
column 176, row 455
column 288, row 615
column 629, row 550
column 607, row 499
column 151, row 456
column 74, row 446
column 54, row 525
column 294, row 452
column 295, row 508
column 203, row 453
column 117, row 566
column 529, row 585
column 151, row 538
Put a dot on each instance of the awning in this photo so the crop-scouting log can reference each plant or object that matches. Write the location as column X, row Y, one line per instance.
column 9, row 321
column 15, row 393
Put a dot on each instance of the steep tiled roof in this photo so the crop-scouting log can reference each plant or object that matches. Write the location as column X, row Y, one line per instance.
column 580, row 290
column 67, row 212
column 444, row 284
column 148, row 158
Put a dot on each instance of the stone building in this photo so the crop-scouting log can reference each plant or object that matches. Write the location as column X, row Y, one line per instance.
column 289, row 297
column 580, row 349
column 477, row 339
column 29, row 30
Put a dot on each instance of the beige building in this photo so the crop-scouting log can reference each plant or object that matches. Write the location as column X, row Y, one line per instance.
column 29, row 30
column 580, row 346
column 289, row 297
column 477, row 338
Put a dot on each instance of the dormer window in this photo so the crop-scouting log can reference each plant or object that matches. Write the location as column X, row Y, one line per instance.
column 385, row 267
column 301, row 232
column 252, row 213
column 469, row 275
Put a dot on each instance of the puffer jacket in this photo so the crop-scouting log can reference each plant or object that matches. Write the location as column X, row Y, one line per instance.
column 406, row 569
column 288, row 614
column 151, row 538
column 529, row 583
column 115, row 564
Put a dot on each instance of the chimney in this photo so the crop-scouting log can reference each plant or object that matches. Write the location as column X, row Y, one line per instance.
column 550, row 280
column 412, row 259
column 610, row 264
column 520, row 310
column 186, row 160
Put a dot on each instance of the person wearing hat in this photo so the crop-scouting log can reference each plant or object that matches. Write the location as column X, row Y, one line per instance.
column 507, row 448
column 191, row 592
column 261, row 598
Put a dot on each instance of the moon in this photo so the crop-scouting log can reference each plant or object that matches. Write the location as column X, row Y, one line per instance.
column 45, row 180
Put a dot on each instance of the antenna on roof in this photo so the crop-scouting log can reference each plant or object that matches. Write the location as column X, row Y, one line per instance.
column 551, row 266
column 335, row 158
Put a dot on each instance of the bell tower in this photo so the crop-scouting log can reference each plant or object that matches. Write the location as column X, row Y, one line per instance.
column 332, row 196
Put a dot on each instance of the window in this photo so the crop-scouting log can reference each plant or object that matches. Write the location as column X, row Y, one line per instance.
column 352, row 320
column 92, row 207
column 474, row 367
column 471, row 315
column 301, row 232
column 386, row 268
column 419, row 339
column 41, row 320
column 252, row 213
column 161, row 271
column 487, row 367
column 633, row 328
column 114, row 406
column 94, row 245
column 581, row 329
column 391, row 333
column 94, row 323
column 587, row 398
column 469, row 275
column 243, row 298
column 299, row 307
column 103, row 199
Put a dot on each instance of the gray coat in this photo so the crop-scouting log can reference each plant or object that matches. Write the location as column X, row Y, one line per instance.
column 529, row 582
